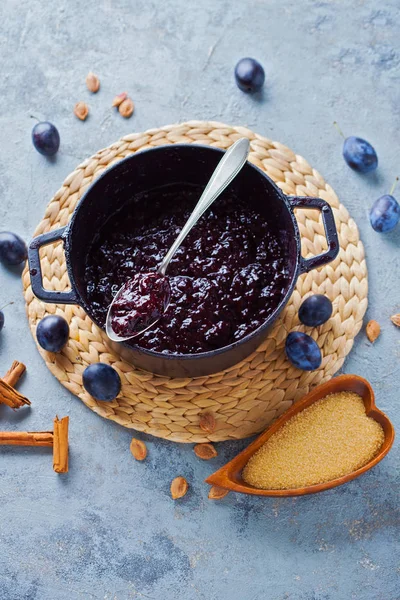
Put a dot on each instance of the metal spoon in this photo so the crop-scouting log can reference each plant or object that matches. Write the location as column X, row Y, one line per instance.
column 227, row 169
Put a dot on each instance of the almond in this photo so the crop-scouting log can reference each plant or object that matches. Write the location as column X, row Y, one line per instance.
column 373, row 330
column 179, row 487
column 126, row 108
column 207, row 422
column 81, row 110
column 205, row 451
column 119, row 98
column 138, row 449
column 92, row 82
column 216, row 492
column 396, row 319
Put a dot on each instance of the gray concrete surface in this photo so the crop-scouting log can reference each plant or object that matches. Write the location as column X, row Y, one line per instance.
column 109, row 529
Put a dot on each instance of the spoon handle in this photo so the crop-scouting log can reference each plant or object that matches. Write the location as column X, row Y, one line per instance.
column 227, row 169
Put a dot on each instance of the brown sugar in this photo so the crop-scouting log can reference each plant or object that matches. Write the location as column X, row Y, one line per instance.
column 327, row 440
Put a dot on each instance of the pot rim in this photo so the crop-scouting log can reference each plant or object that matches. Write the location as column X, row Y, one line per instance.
column 199, row 355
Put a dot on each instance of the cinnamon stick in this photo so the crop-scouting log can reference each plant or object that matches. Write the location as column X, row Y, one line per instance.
column 60, row 442
column 14, row 373
column 26, row 438
column 9, row 395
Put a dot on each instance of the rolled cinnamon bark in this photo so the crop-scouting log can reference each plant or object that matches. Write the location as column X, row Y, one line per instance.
column 26, row 438
column 60, row 445
column 14, row 373
column 58, row 439
column 8, row 394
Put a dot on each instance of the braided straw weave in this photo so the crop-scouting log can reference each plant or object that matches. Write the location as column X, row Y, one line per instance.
column 247, row 397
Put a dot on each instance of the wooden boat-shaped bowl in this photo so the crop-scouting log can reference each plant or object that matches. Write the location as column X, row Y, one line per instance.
column 230, row 475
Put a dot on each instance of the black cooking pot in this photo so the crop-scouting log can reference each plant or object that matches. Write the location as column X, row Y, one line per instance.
column 155, row 169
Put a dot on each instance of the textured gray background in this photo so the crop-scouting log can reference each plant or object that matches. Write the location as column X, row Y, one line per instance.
column 109, row 530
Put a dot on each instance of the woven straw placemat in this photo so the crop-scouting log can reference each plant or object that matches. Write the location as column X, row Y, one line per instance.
column 247, row 397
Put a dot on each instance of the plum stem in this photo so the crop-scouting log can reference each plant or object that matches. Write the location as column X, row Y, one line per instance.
column 5, row 306
column 338, row 128
column 394, row 186
column 33, row 117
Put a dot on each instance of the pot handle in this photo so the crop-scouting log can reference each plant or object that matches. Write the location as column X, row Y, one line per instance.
column 35, row 270
column 306, row 264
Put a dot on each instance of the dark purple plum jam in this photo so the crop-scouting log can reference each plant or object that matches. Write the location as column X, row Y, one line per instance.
column 141, row 302
column 226, row 279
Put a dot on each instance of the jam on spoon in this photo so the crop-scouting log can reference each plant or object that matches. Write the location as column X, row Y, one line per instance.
column 141, row 302
column 141, row 305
